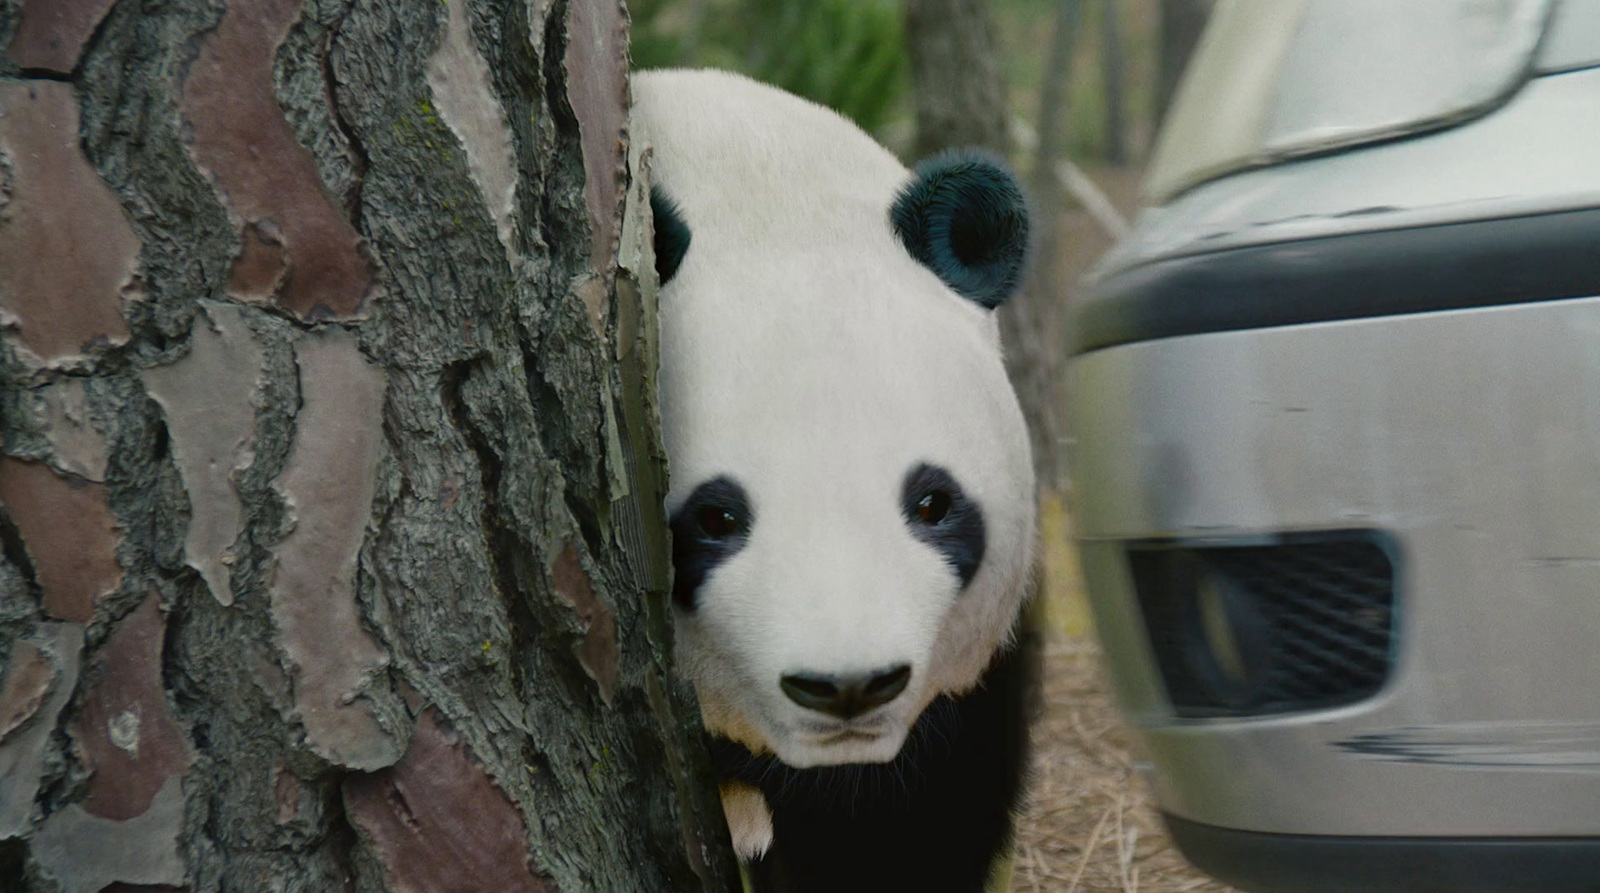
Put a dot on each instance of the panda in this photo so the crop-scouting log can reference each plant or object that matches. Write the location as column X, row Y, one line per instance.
column 852, row 494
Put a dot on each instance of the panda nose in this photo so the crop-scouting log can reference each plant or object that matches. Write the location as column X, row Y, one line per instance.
column 846, row 696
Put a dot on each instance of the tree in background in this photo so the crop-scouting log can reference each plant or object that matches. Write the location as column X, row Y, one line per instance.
column 960, row 101
column 333, row 554
column 958, row 92
column 1037, row 321
column 848, row 55
column 1050, row 119
column 1113, row 62
column 1182, row 22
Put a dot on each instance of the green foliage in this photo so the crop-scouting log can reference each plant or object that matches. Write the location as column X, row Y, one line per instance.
column 846, row 54
column 656, row 38
column 1027, row 28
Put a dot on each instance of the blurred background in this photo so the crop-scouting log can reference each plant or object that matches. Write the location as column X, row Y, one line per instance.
column 1071, row 93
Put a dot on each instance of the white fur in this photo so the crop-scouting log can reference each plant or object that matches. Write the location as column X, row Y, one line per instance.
column 807, row 356
column 749, row 819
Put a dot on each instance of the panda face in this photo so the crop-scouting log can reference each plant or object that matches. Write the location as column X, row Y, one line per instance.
column 851, row 501
column 852, row 494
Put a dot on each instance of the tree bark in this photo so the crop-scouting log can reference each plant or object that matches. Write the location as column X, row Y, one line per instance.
column 955, row 72
column 333, row 554
column 1182, row 22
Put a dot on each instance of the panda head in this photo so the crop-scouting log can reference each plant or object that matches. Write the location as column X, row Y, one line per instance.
column 852, row 492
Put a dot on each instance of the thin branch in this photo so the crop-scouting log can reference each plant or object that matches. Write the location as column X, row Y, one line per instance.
column 1074, row 181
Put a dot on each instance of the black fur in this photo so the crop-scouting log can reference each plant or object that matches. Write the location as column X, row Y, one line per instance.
column 672, row 234
column 958, row 534
column 698, row 546
column 964, row 217
column 932, row 821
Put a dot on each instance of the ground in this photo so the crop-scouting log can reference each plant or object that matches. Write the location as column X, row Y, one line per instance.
column 1090, row 824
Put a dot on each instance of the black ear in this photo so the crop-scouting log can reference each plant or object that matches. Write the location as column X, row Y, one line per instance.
column 672, row 234
column 963, row 217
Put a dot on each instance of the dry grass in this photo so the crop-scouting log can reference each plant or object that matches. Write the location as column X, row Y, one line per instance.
column 1090, row 824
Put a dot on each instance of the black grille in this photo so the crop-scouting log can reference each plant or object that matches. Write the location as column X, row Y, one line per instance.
column 1304, row 623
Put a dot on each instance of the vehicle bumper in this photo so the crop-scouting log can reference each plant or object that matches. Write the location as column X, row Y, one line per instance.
column 1468, row 438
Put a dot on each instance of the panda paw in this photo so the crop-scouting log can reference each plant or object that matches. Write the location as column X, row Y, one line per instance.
column 749, row 819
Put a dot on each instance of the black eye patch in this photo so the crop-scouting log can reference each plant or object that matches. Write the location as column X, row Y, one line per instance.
column 940, row 515
column 710, row 527
column 672, row 234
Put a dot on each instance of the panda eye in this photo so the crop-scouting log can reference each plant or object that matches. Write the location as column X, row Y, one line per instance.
column 940, row 514
column 710, row 527
column 932, row 507
column 718, row 523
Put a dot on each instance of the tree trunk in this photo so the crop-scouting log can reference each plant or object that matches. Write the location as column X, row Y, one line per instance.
column 1113, row 63
column 333, row 554
column 955, row 73
column 1182, row 22
column 1032, row 326
column 1053, row 94
column 960, row 102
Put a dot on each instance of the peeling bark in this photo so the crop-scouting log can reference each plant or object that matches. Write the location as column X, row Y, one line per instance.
column 208, row 401
column 86, row 853
column 598, row 651
column 22, row 754
column 30, row 676
column 328, row 486
column 66, row 252
column 51, row 33
column 332, row 554
column 268, row 179
column 69, row 532
column 128, row 738
column 77, row 446
column 436, row 821
column 459, row 78
column 597, row 35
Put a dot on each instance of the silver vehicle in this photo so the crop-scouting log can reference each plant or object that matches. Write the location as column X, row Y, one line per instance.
column 1336, row 449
